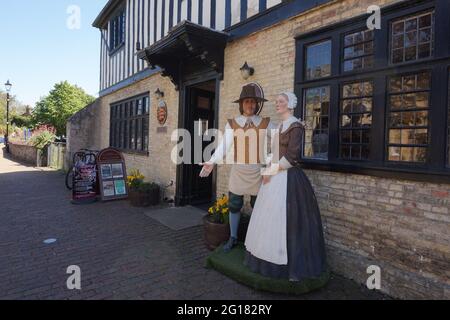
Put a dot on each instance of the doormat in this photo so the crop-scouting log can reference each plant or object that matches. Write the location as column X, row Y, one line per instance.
column 232, row 265
column 178, row 218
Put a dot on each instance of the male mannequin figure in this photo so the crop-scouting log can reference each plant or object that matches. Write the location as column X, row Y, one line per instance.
column 245, row 178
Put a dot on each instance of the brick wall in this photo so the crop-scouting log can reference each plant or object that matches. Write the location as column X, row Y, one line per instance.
column 401, row 226
column 80, row 131
column 23, row 152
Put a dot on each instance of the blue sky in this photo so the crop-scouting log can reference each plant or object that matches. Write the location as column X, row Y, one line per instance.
column 37, row 49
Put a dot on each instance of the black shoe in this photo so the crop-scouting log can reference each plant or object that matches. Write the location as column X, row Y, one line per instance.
column 232, row 242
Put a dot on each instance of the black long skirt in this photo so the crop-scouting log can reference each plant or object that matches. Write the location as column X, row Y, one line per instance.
column 305, row 242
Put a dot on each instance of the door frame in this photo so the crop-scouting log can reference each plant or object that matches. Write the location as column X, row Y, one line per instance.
column 182, row 195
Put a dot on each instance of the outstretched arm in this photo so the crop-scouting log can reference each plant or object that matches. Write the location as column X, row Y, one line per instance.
column 221, row 151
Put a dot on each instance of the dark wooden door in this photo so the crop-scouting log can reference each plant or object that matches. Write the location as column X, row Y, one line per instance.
column 201, row 106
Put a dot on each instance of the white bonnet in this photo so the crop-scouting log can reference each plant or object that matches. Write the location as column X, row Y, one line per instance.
column 292, row 99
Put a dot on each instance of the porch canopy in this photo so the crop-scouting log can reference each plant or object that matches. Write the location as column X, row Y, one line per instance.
column 186, row 45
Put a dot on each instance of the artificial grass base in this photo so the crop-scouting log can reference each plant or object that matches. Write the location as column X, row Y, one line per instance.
column 232, row 265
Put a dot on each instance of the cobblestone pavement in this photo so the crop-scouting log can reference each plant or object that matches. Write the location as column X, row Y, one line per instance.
column 122, row 253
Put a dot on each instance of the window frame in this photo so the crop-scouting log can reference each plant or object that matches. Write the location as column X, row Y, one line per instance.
column 341, row 98
column 433, row 41
column 119, row 16
column 323, row 40
column 435, row 169
column 342, row 53
column 388, row 144
column 123, row 118
column 447, row 155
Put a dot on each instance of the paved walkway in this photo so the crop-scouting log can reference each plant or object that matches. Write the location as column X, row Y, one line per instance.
column 122, row 253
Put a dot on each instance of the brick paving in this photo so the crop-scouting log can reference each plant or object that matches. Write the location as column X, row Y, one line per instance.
column 122, row 253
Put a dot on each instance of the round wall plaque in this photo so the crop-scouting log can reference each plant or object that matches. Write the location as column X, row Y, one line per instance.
column 161, row 113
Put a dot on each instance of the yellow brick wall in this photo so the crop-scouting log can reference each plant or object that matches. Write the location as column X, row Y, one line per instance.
column 157, row 166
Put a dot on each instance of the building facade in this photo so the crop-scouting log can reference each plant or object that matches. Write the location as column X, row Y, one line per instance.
column 377, row 148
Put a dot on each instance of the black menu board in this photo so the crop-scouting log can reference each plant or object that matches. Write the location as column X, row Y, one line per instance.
column 84, row 183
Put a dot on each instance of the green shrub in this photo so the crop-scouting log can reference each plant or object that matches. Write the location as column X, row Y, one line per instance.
column 43, row 139
column 147, row 187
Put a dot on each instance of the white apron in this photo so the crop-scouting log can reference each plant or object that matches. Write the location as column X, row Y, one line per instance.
column 245, row 179
column 267, row 231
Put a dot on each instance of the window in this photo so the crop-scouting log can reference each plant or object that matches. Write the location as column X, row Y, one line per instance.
column 117, row 31
column 130, row 124
column 412, row 38
column 382, row 107
column 409, row 103
column 448, row 123
column 316, row 111
column 358, row 50
column 356, row 120
column 318, row 60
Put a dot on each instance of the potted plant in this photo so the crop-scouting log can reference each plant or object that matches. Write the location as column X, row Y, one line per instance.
column 142, row 194
column 217, row 229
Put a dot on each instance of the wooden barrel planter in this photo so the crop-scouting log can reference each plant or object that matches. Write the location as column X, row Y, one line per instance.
column 144, row 199
column 215, row 233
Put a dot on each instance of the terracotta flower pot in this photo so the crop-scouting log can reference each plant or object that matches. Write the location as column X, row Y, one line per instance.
column 215, row 233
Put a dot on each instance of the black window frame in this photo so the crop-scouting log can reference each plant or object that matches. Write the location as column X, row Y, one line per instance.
column 436, row 168
column 343, row 46
column 341, row 129
column 305, row 49
column 117, row 31
column 389, row 93
column 125, row 119
column 406, row 17
column 448, row 121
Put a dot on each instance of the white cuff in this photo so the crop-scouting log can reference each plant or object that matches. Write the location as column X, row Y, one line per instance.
column 270, row 170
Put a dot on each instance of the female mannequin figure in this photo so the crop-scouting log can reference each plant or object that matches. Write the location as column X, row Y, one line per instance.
column 285, row 236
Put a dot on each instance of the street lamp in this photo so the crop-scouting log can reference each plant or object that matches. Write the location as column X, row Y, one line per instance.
column 8, row 86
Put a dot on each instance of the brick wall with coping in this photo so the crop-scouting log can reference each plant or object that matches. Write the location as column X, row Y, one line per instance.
column 23, row 152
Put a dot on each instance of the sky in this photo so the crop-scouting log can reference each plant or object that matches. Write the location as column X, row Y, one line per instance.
column 38, row 49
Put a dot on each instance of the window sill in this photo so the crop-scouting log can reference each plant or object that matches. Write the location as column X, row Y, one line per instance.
column 389, row 171
column 134, row 152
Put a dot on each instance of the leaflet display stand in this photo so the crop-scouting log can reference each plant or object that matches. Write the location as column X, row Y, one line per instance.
column 112, row 175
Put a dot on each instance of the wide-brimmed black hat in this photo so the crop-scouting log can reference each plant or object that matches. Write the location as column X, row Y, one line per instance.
column 252, row 91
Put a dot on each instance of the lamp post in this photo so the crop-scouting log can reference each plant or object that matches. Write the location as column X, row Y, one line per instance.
column 8, row 86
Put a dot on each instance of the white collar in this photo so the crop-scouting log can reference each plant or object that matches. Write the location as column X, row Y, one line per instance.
column 241, row 120
column 288, row 122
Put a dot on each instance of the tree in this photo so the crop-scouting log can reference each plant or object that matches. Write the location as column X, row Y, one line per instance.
column 62, row 102
column 15, row 107
column 21, row 121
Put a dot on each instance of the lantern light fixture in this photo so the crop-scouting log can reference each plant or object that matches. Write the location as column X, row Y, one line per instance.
column 247, row 71
column 159, row 94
